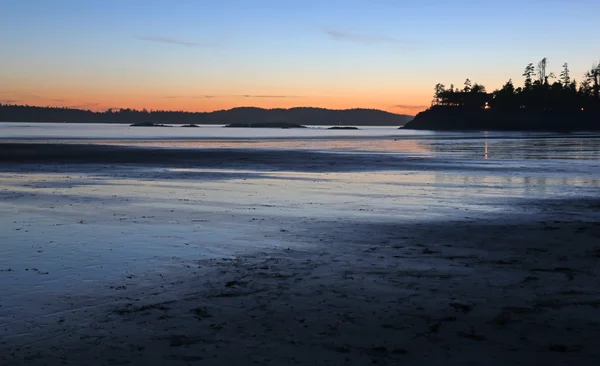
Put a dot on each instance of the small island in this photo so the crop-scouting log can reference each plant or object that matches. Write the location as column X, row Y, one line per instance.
column 343, row 128
column 190, row 126
column 148, row 124
column 265, row 125
column 539, row 105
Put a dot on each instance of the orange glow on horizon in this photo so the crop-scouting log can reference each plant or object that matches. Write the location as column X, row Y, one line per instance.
column 208, row 103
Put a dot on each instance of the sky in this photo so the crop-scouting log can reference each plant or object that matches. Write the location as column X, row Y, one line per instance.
column 210, row 55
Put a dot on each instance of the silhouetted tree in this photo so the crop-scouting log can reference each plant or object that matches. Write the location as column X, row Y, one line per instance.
column 528, row 74
column 593, row 77
column 541, row 71
column 439, row 91
column 467, row 87
column 508, row 88
column 539, row 95
column 477, row 88
column 505, row 97
column 565, row 76
column 541, row 104
column 585, row 88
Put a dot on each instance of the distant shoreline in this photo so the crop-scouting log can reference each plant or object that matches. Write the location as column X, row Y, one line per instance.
column 242, row 115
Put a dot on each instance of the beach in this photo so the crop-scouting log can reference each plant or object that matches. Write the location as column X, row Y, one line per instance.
column 160, row 254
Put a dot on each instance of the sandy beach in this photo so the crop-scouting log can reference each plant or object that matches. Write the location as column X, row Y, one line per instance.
column 115, row 255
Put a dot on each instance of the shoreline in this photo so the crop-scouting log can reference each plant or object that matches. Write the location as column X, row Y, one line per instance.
column 455, row 118
column 432, row 135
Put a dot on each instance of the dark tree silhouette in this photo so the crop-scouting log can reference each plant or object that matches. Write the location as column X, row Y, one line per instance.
column 542, row 73
column 467, row 87
column 528, row 74
column 565, row 76
column 439, row 92
column 301, row 115
column 593, row 76
column 538, row 105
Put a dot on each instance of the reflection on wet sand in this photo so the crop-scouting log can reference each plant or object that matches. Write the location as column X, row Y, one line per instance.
column 522, row 186
column 223, row 248
column 514, row 149
column 407, row 146
column 485, row 148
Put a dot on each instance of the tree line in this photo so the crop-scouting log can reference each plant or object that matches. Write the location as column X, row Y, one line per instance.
column 27, row 113
column 298, row 115
column 542, row 90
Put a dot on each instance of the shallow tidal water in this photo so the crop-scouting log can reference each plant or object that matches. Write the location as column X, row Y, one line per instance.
column 109, row 220
column 79, row 235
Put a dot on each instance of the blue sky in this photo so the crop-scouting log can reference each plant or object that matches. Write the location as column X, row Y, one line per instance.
column 204, row 55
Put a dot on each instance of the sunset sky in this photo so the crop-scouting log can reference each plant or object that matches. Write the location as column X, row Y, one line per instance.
column 206, row 55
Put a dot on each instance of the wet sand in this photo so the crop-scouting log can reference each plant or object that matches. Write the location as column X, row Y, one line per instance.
column 116, row 255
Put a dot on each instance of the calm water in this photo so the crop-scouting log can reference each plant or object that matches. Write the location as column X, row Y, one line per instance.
column 471, row 145
column 123, row 131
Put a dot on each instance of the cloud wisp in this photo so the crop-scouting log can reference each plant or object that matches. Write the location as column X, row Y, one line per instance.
column 367, row 39
column 174, row 41
column 270, row 96
column 232, row 96
column 26, row 97
column 190, row 97
column 410, row 106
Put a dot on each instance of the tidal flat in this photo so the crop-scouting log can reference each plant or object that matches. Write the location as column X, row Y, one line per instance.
column 331, row 251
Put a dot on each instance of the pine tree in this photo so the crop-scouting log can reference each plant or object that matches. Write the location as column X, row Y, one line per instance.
column 565, row 77
column 467, row 87
column 528, row 74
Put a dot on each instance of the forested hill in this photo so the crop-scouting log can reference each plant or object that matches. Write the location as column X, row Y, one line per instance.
column 300, row 115
column 545, row 102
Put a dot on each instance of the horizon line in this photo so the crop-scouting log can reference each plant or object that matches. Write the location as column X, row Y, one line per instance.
column 187, row 111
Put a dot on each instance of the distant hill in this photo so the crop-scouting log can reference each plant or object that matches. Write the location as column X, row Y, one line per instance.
column 299, row 115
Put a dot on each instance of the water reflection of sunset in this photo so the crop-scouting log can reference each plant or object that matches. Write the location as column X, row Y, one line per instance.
column 470, row 148
column 409, row 146
column 514, row 148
